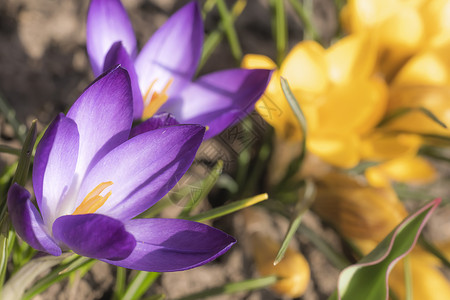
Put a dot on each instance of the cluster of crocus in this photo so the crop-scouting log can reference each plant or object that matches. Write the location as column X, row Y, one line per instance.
column 162, row 72
column 93, row 174
column 365, row 215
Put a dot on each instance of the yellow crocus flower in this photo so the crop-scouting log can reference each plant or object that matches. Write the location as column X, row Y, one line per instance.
column 339, row 96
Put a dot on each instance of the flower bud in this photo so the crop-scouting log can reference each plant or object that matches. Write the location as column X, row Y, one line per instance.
column 293, row 270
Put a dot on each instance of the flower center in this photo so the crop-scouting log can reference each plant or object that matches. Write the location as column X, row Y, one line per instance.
column 154, row 100
column 93, row 200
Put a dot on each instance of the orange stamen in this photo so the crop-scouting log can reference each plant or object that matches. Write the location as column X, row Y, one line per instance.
column 153, row 101
column 93, row 200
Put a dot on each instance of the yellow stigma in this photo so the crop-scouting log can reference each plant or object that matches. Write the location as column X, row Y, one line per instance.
column 93, row 200
column 153, row 101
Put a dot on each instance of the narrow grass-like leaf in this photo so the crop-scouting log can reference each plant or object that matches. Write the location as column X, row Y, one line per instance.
column 156, row 297
column 214, row 38
column 235, row 287
column 25, row 156
column 408, row 278
column 10, row 150
column 376, row 266
column 228, row 209
column 434, row 250
column 16, row 285
column 302, row 206
column 309, row 31
column 69, row 265
column 10, row 116
column 204, row 186
column 405, row 110
column 298, row 113
column 337, row 259
column 121, row 277
column 139, row 285
column 279, row 25
column 230, row 31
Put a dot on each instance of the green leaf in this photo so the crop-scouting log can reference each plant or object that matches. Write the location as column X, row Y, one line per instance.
column 279, row 25
column 24, row 278
column 298, row 113
column 230, row 31
column 302, row 206
column 69, row 264
column 376, row 266
column 309, row 31
column 9, row 150
column 25, row 156
column 139, row 285
column 204, row 186
column 228, row 209
column 235, row 287
column 213, row 39
column 405, row 110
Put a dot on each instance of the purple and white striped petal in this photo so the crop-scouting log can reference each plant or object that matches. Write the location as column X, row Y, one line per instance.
column 104, row 115
column 143, row 169
column 166, row 245
column 54, row 165
column 95, row 236
column 117, row 55
column 219, row 99
column 107, row 23
column 28, row 222
column 155, row 122
column 173, row 51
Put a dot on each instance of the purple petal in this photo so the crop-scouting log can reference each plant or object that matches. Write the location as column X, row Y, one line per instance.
column 54, row 165
column 117, row 55
column 94, row 235
column 173, row 52
column 107, row 23
column 155, row 122
column 166, row 245
column 104, row 115
column 144, row 169
column 27, row 221
column 219, row 99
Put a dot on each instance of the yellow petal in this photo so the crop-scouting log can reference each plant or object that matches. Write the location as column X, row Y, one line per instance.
column 357, row 210
column 427, row 281
column 408, row 169
column 305, row 68
column 433, row 98
column 380, row 146
column 293, row 269
column 337, row 149
column 257, row 61
column 425, row 69
column 354, row 107
column 351, row 57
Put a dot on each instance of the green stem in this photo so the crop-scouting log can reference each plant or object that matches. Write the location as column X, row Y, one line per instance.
column 309, row 31
column 228, row 24
column 408, row 278
column 119, row 289
column 235, row 287
column 139, row 285
column 280, row 29
column 9, row 150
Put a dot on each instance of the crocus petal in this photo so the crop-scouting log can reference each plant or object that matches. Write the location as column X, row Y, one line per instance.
column 166, row 245
column 27, row 221
column 54, row 165
column 173, row 52
column 219, row 99
column 144, row 169
column 104, row 115
column 155, row 122
column 107, row 23
column 118, row 55
column 94, row 235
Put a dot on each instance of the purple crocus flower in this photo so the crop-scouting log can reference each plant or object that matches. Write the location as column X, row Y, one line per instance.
column 92, row 175
column 161, row 73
